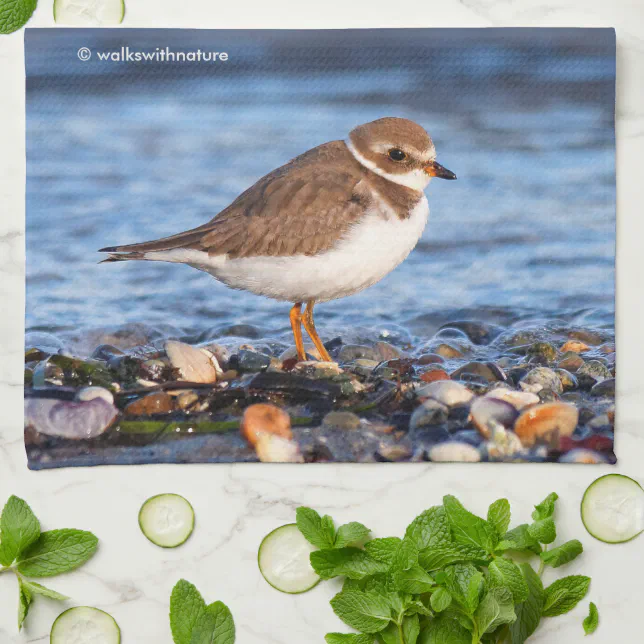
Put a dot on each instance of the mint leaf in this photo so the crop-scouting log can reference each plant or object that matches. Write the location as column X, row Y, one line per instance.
column 367, row 611
column 406, row 555
column 410, row 629
column 465, row 584
column 348, row 638
column 24, row 602
column 345, row 562
column 19, row 528
column 445, row 630
column 214, row 626
column 435, row 558
column 546, row 508
column 544, row 531
column 519, row 539
column 498, row 515
column 592, row 621
column 529, row 612
column 564, row 594
column 467, row 528
column 440, row 600
column 38, row 589
column 56, row 552
column 415, row 581
column 430, row 529
column 317, row 530
column 383, row 550
column 563, row 554
column 186, row 607
column 496, row 608
column 351, row 534
column 15, row 14
column 503, row 572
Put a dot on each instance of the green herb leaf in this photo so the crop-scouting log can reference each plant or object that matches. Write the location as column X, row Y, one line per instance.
column 348, row 638
column 214, row 626
column 19, row 528
column 406, row 555
column 564, row 594
column 317, row 530
column 529, row 612
column 186, row 607
column 351, row 534
column 503, row 572
column 15, row 14
column 345, row 562
column 546, row 508
column 498, row 515
column 435, row 558
column 410, row 629
column 39, row 589
column 383, row 550
column 563, row 554
column 415, row 581
column 467, row 528
column 592, row 621
column 520, row 540
column 445, row 630
column 24, row 602
column 367, row 611
column 440, row 600
column 430, row 529
column 496, row 608
column 465, row 584
column 544, row 531
column 56, row 552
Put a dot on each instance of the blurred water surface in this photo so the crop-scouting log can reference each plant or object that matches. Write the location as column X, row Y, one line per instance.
column 126, row 152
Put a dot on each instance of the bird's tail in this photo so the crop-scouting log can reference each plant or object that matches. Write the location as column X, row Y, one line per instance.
column 119, row 257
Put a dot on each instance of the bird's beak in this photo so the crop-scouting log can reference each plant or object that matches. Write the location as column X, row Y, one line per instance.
column 435, row 169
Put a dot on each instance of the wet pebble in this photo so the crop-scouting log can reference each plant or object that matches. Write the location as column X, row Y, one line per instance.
column 546, row 423
column 583, row 456
column 489, row 372
column 271, row 448
column 541, row 378
column 504, row 446
column 434, row 374
column 47, row 342
column 543, row 350
column 363, row 366
column 192, row 364
column 250, row 361
column 604, row 388
column 387, row 351
column 89, row 393
column 453, row 452
column 448, row 351
column 291, row 353
column 394, row 452
column 155, row 403
column 518, row 399
column 264, row 418
column 47, row 373
column 431, row 412
column 186, row 399
column 570, row 361
column 568, row 380
column 352, row 352
column 477, row 332
column 592, row 372
column 584, row 335
column 575, row 346
column 489, row 414
column 342, row 420
column 105, row 352
column 430, row 358
column 447, row 392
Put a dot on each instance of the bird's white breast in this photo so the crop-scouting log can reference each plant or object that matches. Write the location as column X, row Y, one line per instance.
column 372, row 249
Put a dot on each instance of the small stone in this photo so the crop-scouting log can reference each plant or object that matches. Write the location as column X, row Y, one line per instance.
column 352, row 352
column 541, row 378
column 394, row 453
column 588, row 337
column 271, row 448
column 546, row 423
column 430, row 358
column 343, row 420
column 543, row 350
column 447, row 392
column 584, row 456
column 488, row 371
column 592, row 372
column 431, row 412
column 519, row 399
column 448, row 332
column 264, row 418
column 433, row 375
column 46, row 374
column 387, row 351
column 186, row 399
column 453, row 452
column 363, row 366
column 89, row 393
column 570, row 361
column 504, row 445
column 604, row 388
column 568, row 381
column 105, row 352
column 607, row 348
column 477, row 332
column 251, row 361
column 192, row 365
column 448, row 351
column 489, row 414
column 574, row 345
column 291, row 353
column 155, row 403
column 600, row 422
column 155, row 370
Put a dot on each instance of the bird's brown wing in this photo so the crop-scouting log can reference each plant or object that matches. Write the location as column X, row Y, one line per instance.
column 303, row 207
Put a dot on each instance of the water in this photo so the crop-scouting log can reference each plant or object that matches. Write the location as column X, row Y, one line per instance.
column 119, row 153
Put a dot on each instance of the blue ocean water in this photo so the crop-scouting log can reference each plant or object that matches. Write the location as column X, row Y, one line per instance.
column 126, row 152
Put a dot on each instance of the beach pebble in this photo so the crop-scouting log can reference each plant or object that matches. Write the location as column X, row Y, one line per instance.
column 543, row 350
column 105, row 352
column 430, row 358
column 46, row 342
column 583, row 456
column 387, row 351
column 431, row 412
column 155, row 403
column 453, row 452
column 263, row 418
column 489, row 414
column 394, row 452
column 592, row 372
column 186, row 399
column 447, row 392
column 250, row 361
column 607, row 348
column 448, row 351
column 363, row 366
column 434, row 374
column 570, row 361
column 518, row 399
column 75, row 420
column 271, row 448
column 291, row 353
column 568, row 380
column 541, row 378
column 585, row 336
column 46, row 373
column 546, row 423
column 604, row 388
column 489, row 372
column 476, row 332
column 351, row 352
column 192, row 364
column 574, row 345
column 343, row 420
column 89, row 393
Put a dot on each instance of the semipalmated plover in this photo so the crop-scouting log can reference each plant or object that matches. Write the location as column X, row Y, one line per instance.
column 328, row 224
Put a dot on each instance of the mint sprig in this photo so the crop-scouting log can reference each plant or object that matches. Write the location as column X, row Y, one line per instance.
column 28, row 553
column 15, row 14
column 194, row 622
column 450, row 580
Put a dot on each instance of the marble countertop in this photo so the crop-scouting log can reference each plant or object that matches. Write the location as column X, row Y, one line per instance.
column 237, row 505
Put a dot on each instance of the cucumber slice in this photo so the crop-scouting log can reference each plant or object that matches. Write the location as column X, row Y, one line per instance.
column 613, row 509
column 283, row 560
column 167, row 520
column 87, row 13
column 85, row 625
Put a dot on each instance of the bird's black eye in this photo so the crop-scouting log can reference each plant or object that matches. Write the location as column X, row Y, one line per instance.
column 396, row 154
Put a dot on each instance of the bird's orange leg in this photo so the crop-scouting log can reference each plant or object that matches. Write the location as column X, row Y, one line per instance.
column 296, row 325
column 309, row 325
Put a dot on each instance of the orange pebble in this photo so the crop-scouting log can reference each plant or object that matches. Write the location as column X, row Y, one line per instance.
column 436, row 374
column 574, row 345
column 546, row 423
column 267, row 419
